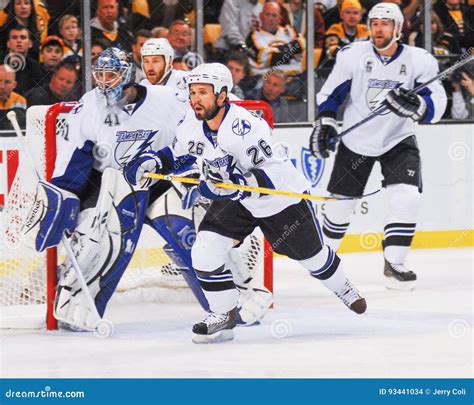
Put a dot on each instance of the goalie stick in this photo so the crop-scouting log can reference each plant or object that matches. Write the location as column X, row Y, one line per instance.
column 102, row 326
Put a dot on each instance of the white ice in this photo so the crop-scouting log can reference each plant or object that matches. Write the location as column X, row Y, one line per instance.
column 309, row 333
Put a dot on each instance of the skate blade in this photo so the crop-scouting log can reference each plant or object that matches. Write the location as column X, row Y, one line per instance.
column 218, row 337
column 393, row 284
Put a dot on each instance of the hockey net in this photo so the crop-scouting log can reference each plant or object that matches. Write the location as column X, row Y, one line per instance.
column 28, row 279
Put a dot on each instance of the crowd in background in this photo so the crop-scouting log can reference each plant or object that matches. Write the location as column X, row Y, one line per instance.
column 262, row 42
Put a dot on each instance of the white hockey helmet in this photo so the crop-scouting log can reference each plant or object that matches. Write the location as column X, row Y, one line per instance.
column 160, row 47
column 216, row 74
column 389, row 11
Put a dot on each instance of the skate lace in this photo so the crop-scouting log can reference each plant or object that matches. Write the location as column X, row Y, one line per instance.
column 348, row 294
column 214, row 319
column 399, row 268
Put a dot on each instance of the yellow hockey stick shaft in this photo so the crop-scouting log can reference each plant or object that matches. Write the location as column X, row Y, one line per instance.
column 231, row 186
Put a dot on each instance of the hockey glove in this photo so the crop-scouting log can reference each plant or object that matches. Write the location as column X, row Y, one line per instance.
column 324, row 137
column 406, row 104
column 148, row 162
column 208, row 190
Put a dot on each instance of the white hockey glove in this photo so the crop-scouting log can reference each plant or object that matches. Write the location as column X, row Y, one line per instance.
column 148, row 162
column 324, row 137
column 208, row 190
column 406, row 104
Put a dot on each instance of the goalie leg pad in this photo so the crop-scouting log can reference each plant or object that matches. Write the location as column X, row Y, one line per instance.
column 103, row 244
column 54, row 211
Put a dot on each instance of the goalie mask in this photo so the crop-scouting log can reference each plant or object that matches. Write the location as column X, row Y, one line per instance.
column 387, row 11
column 113, row 72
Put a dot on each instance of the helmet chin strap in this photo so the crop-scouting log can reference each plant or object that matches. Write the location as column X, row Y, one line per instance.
column 395, row 38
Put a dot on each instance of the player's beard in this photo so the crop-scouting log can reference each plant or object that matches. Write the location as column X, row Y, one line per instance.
column 384, row 44
column 208, row 113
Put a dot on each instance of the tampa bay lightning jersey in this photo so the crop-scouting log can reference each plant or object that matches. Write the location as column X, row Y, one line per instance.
column 364, row 77
column 243, row 142
column 99, row 137
column 176, row 81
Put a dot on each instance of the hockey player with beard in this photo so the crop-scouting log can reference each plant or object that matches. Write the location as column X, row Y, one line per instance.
column 255, row 299
column 385, row 73
column 236, row 147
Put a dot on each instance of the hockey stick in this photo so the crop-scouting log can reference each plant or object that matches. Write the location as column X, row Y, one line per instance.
column 261, row 190
column 382, row 108
column 11, row 115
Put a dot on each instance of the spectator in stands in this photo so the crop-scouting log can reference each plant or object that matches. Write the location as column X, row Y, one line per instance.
column 22, row 12
column 98, row 45
column 463, row 104
column 60, row 88
column 443, row 42
column 297, row 19
column 180, row 38
column 28, row 70
column 348, row 30
column 458, row 20
column 9, row 100
column 237, row 19
column 273, row 87
column 59, row 8
column 140, row 38
column 51, row 55
column 239, row 66
column 332, row 15
column 69, row 30
column 180, row 64
column 105, row 25
column 273, row 45
column 160, row 32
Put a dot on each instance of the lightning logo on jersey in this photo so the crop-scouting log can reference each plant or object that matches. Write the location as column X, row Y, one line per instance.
column 130, row 143
column 377, row 92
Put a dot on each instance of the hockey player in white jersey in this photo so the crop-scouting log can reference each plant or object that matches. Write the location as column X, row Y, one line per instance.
column 108, row 127
column 374, row 73
column 237, row 147
column 157, row 63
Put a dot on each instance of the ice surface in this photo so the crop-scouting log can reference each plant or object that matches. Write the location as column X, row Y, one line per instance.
column 309, row 333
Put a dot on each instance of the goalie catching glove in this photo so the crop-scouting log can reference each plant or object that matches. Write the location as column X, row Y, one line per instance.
column 54, row 211
column 324, row 137
column 406, row 104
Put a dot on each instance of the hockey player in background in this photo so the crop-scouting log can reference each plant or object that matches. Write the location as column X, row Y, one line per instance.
column 372, row 73
column 237, row 147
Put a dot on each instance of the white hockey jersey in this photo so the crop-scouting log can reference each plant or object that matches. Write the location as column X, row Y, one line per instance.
column 245, row 141
column 361, row 74
column 99, row 137
column 176, row 81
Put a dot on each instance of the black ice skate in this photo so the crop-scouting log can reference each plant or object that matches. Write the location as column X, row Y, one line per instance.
column 352, row 298
column 215, row 328
column 398, row 277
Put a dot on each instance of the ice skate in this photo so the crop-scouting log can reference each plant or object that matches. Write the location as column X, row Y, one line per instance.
column 352, row 298
column 215, row 328
column 398, row 277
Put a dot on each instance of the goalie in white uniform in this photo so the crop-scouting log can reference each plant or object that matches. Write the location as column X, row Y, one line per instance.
column 236, row 147
column 372, row 73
